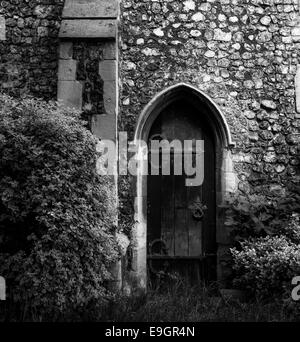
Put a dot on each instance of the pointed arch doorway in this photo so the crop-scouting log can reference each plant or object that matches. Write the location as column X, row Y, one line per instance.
column 170, row 235
column 181, row 219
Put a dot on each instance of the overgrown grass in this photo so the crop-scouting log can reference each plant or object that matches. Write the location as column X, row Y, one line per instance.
column 177, row 303
column 194, row 304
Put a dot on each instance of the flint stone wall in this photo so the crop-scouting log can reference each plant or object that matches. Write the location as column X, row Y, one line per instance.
column 28, row 47
column 243, row 54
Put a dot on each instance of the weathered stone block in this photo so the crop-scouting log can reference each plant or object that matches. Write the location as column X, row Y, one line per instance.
column 110, row 51
column 297, row 89
column 104, row 126
column 222, row 234
column 2, row 28
column 110, row 97
column 222, row 36
column 90, row 9
column 66, row 50
column 293, row 138
column 269, row 104
column 108, row 70
column 70, row 93
column 108, row 73
column 296, row 34
column 88, row 29
column 67, row 70
column 229, row 182
column 2, row 289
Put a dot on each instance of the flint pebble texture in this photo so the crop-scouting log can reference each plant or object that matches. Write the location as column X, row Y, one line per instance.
column 243, row 54
column 28, row 55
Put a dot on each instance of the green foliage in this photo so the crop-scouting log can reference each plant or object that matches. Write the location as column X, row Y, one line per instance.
column 257, row 216
column 267, row 235
column 180, row 302
column 56, row 214
column 192, row 304
column 265, row 266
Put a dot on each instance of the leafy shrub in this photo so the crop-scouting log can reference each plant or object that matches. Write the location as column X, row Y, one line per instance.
column 56, row 214
column 258, row 216
column 265, row 266
column 267, row 235
column 291, row 229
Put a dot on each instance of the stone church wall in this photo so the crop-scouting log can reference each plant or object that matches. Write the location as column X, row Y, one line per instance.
column 241, row 52
column 244, row 54
column 28, row 47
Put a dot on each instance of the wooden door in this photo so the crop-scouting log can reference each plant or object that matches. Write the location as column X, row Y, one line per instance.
column 178, row 238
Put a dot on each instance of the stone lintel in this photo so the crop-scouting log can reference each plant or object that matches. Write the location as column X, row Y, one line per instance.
column 90, row 9
column 88, row 29
column 70, row 94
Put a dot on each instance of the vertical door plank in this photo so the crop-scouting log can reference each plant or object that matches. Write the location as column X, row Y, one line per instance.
column 194, row 196
column 154, row 198
column 170, row 218
column 195, row 226
column 154, row 208
column 167, row 210
column 181, row 227
column 181, row 233
column 167, row 213
column 180, row 131
column 209, row 221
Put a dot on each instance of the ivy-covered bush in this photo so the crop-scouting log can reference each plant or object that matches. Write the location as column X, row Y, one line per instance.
column 56, row 214
column 265, row 266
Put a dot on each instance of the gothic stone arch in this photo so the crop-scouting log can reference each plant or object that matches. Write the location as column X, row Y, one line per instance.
column 225, row 178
